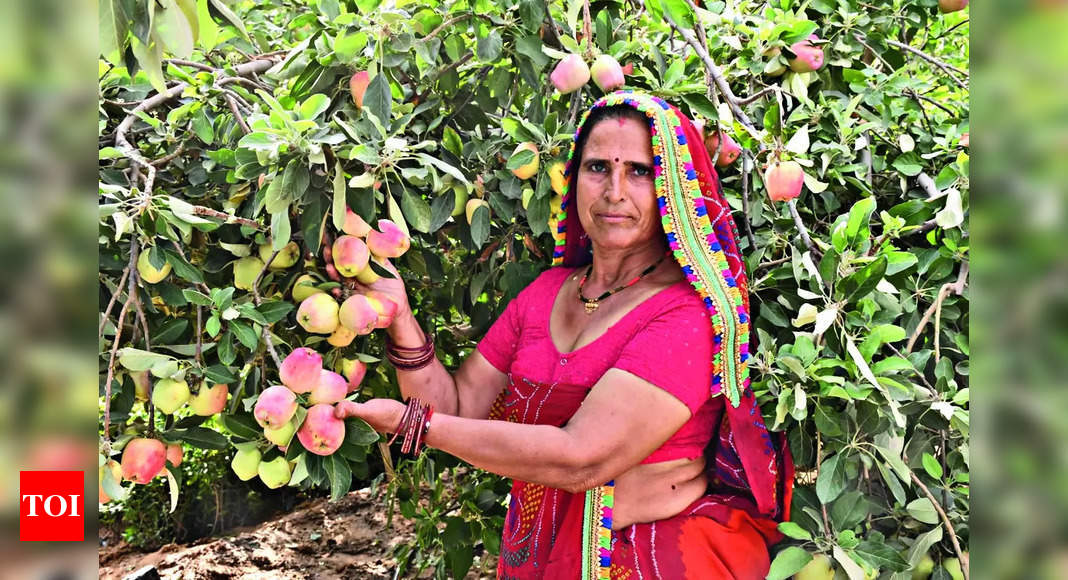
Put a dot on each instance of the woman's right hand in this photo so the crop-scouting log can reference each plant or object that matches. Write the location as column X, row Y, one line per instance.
column 391, row 287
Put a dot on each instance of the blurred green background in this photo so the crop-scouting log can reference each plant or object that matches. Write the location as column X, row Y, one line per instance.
column 1020, row 267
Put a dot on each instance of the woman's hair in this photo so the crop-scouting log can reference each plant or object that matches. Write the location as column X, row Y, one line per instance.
column 598, row 115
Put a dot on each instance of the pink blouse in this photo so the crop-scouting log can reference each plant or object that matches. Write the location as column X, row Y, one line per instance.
column 665, row 340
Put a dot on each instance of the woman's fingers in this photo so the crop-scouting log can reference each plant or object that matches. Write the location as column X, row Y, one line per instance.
column 346, row 409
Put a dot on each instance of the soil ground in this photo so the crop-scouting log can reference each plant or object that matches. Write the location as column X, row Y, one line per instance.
column 349, row 538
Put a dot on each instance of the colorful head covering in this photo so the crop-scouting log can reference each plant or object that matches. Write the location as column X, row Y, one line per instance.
column 703, row 239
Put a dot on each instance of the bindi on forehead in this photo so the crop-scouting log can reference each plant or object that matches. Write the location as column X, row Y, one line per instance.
column 620, row 120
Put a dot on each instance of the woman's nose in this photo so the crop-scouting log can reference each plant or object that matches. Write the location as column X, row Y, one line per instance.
column 615, row 188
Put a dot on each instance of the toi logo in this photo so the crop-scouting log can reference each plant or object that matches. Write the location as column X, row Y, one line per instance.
column 51, row 506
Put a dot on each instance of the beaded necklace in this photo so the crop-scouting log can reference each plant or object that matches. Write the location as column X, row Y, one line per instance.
column 592, row 304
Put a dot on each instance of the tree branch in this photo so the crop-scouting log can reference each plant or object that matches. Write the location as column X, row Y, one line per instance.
column 256, row 298
column 936, row 306
column 746, row 170
column 946, row 68
column 816, row 253
column 717, row 75
column 945, row 521
column 227, row 218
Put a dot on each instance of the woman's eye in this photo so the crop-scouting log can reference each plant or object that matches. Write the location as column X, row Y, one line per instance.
column 596, row 167
column 641, row 171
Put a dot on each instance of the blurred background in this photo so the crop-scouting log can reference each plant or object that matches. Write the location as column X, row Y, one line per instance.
column 1020, row 190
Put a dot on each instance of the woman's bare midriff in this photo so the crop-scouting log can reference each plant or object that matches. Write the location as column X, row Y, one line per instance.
column 656, row 491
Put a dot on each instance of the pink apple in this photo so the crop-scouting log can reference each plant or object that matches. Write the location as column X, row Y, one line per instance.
column 143, row 459
column 570, row 74
column 350, row 255
column 275, row 406
column 384, row 306
column 389, row 241
column 354, row 224
column 354, row 370
column 332, row 388
column 358, row 314
column 300, row 370
column 784, row 179
column 318, row 314
column 809, row 56
column 607, row 73
column 321, row 433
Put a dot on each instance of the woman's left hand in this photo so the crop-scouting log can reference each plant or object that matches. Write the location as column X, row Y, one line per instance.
column 382, row 414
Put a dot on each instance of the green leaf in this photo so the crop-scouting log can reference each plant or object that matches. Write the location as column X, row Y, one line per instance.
column 274, row 310
column 113, row 30
column 445, row 167
column 295, row 181
column 849, row 510
column 339, row 474
column 788, row 562
column 202, row 127
column 221, row 7
column 245, row 334
column 932, row 466
column 183, row 268
column 792, row 530
column 908, row 165
column 140, row 360
column 378, row 99
column 346, row 47
column 281, row 230
column 227, row 355
column 314, row 106
column 857, row 226
column 480, row 226
column 923, row 510
column 451, row 141
column 441, row 209
column 173, row 28
column 199, row 437
column 172, row 485
column 520, row 159
column 489, row 46
column 863, row 281
column 220, row 374
column 416, row 210
column 359, row 432
column 243, row 426
column 151, row 60
column 832, row 479
column 337, row 211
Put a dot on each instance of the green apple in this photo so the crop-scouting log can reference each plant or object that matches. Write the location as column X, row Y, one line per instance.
column 245, row 272
column 818, row 569
column 285, row 258
column 169, row 395
column 274, row 473
column 246, row 463
column 461, row 198
column 148, row 272
column 281, row 435
column 304, row 287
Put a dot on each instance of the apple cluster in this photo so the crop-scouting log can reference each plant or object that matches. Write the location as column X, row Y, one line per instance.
column 303, row 405
column 350, row 257
column 572, row 73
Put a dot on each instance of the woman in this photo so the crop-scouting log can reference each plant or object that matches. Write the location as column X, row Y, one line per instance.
column 603, row 382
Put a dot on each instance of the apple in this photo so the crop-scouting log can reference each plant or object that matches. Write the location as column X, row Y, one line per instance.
column 528, row 194
column 923, row 568
column 300, row 370
column 472, row 205
column 461, row 196
column 784, row 179
column 275, row 406
column 318, row 314
column 354, row 224
column 809, row 56
column 358, row 86
column 728, row 153
column 388, row 241
column 527, row 170
column 169, row 395
column 322, row 433
column 148, row 272
column 358, row 314
column 952, row 566
column 332, row 388
column 368, row 274
column 570, row 74
column 304, row 287
column 607, row 74
column 341, row 337
column 246, row 463
column 819, row 568
column 174, row 454
column 557, row 178
column 142, row 384
column 143, row 459
column 350, row 255
column 947, row 6
column 274, row 473
column 209, row 400
column 354, row 370
column 282, row 434
column 384, row 306
column 245, row 272
column 115, row 469
column 285, row 258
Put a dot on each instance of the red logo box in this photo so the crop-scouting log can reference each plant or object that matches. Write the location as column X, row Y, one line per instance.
column 51, row 506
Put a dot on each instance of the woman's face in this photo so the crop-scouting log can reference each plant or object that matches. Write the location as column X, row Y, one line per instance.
column 616, row 197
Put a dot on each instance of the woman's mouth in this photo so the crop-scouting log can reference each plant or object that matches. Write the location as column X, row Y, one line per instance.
column 613, row 218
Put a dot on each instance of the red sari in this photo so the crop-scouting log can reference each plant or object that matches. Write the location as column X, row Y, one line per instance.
column 720, row 535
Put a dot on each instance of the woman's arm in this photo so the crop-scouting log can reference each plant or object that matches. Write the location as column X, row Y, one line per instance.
column 621, row 421
column 469, row 393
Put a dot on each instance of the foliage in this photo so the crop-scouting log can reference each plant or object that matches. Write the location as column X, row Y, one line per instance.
column 859, row 288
